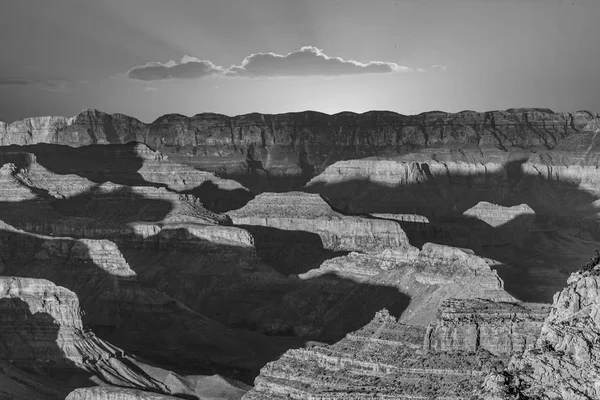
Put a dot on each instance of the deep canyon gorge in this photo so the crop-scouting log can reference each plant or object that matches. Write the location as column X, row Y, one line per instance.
column 301, row 255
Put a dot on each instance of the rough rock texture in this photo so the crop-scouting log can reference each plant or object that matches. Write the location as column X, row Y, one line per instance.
column 425, row 279
column 39, row 321
column 499, row 327
column 454, row 189
column 136, row 316
column 56, row 167
column 41, row 325
column 115, row 393
column 32, row 130
column 297, row 145
column 297, row 211
column 390, row 360
column 563, row 364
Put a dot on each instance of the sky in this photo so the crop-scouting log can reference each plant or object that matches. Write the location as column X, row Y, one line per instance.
column 146, row 58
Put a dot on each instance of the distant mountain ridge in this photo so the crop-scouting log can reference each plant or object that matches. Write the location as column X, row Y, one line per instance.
column 260, row 148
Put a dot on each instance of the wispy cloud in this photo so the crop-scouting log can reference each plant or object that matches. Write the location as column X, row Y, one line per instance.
column 308, row 61
column 438, row 67
column 150, row 89
column 49, row 85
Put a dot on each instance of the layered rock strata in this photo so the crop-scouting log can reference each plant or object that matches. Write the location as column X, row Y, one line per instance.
column 390, row 360
column 427, row 277
column 115, row 393
column 297, row 211
column 297, row 145
column 125, row 308
column 60, row 169
column 501, row 328
column 41, row 326
column 563, row 363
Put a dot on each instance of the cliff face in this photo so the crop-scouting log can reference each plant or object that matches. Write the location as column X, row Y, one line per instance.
column 498, row 327
column 42, row 326
column 49, row 333
column 261, row 148
column 114, row 393
column 297, row 211
column 564, row 361
column 388, row 359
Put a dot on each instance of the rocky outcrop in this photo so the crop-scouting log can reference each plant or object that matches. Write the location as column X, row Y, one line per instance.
column 66, row 171
column 499, row 327
column 384, row 359
column 33, row 130
column 41, row 325
column 564, row 361
column 297, row 211
column 495, row 215
column 128, row 308
column 40, row 321
column 297, row 145
column 115, row 393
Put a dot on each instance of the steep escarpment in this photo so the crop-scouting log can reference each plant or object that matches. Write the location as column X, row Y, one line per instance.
column 128, row 312
column 42, row 330
column 389, row 359
column 260, row 149
column 131, row 164
column 533, row 212
column 297, row 211
column 564, row 361
column 424, row 279
column 501, row 328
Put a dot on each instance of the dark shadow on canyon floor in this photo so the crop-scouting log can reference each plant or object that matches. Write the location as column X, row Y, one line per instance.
column 522, row 244
column 29, row 342
column 289, row 252
column 218, row 200
column 186, row 296
column 117, row 163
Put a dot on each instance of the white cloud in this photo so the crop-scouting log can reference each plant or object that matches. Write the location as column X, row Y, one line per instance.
column 308, row 61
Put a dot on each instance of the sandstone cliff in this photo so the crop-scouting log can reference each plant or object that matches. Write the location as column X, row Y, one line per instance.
column 262, row 148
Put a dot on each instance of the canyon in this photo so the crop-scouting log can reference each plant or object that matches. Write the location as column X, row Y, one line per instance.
column 300, row 255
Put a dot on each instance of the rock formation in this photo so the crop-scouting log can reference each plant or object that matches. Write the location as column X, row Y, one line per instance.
column 499, row 327
column 563, row 363
column 262, row 148
column 388, row 359
column 445, row 220
column 297, row 211
column 42, row 328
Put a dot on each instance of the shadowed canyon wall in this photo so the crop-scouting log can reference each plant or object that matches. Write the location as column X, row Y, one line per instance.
column 276, row 152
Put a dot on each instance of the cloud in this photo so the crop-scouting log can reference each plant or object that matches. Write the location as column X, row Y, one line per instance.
column 188, row 68
column 150, row 89
column 437, row 66
column 49, row 85
column 308, row 61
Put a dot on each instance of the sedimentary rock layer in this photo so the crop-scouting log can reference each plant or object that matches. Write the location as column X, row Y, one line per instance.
column 57, row 167
column 297, row 211
column 564, row 361
column 499, row 327
column 390, row 360
column 41, row 325
column 297, row 145
column 115, row 393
